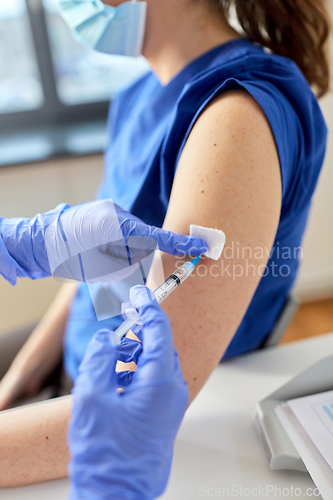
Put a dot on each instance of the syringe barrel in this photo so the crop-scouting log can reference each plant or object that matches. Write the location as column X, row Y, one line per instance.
column 161, row 293
column 124, row 328
column 180, row 275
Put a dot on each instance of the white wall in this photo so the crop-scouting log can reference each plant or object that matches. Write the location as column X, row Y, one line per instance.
column 316, row 277
column 25, row 191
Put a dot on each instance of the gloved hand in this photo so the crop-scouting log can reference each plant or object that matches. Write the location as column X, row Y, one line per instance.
column 22, row 246
column 86, row 242
column 128, row 351
column 122, row 444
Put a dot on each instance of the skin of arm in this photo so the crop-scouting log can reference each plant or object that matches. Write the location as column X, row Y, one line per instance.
column 228, row 178
column 33, row 443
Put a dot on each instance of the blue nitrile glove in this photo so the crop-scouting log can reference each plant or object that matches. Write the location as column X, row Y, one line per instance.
column 127, row 351
column 122, row 444
column 23, row 246
column 95, row 241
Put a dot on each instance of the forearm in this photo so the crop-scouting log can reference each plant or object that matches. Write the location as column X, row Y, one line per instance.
column 34, row 443
column 45, row 343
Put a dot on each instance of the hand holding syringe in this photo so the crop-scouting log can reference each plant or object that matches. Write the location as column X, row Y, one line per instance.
column 161, row 293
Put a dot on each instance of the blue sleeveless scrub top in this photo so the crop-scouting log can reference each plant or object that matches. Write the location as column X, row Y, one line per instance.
column 147, row 128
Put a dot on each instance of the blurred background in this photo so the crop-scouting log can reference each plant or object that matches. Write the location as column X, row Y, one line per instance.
column 54, row 97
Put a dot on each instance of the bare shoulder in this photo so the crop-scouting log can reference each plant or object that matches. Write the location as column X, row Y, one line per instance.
column 236, row 99
column 230, row 164
column 239, row 122
column 235, row 105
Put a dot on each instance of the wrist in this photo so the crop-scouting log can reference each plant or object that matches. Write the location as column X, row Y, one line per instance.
column 77, row 494
column 89, row 493
column 96, row 487
column 30, row 362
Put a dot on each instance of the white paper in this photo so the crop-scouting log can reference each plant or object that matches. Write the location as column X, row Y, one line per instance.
column 315, row 414
column 317, row 466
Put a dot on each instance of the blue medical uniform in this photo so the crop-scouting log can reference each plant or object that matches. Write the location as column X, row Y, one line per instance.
column 148, row 126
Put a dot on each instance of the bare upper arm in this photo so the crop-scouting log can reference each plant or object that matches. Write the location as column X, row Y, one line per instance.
column 228, row 177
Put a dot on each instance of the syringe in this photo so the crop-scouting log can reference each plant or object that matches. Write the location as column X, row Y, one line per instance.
column 161, row 293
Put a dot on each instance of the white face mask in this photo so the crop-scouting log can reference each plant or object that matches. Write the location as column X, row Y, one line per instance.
column 112, row 30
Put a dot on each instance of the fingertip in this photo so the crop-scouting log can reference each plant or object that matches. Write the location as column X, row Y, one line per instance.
column 141, row 295
column 198, row 246
column 191, row 246
column 102, row 346
column 203, row 245
column 105, row 337
column 97, row 369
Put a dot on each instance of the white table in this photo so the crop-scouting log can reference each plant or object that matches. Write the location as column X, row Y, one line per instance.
column 218, row 446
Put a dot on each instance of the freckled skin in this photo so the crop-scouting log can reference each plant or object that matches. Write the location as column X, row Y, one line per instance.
column 38, row 455
column 207, row 313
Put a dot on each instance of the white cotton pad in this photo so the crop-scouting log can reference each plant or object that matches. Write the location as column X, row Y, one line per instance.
column 214, row 238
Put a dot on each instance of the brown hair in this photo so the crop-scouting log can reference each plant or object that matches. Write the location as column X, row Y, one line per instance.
column 298, row 29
